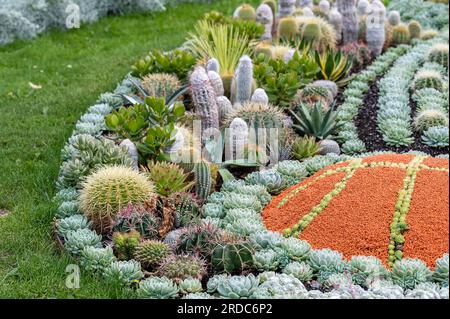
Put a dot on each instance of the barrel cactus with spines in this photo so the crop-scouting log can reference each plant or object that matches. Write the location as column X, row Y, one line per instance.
column 180, row 267
column 415, row 29
column 350, row 28
column 264, row 48
column 328, row 147
column 216, row 83
column 204, row 99
column 375, row 28
column 111, row 189
column 151, row 252
column 246, row 12
column 231, row 257
column 429, row 118
column 319, row 33
column 439, row 54
column 428, row 79
column 400, row 34
column 203, row 180
column 311, row 32
column 312, row 94
column 160, row 84
column 260, row 96
column 287, row 28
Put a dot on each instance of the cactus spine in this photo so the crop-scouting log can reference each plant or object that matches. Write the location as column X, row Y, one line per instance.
column 204, row 99
column 244, row 80
column 375, row 28
column 203, row 180
column 286, row 8
column 350, row 25
column 265, row 16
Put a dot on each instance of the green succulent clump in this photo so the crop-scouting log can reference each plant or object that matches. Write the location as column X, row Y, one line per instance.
column 408, row 273
column 291, row 171
column 125, row 244
column 96, row 259
column 436, row 136
column 304, row 147
column 237, row 287
column 265, row 260
column 236, row 200
column 257, row 190
column 300, row 270
column 151, row 252
column 296, row 249
column 265, row 239
column 157, row 288
column 271, row 179
column 106, row 192
column 123, row 273
column 365, row 269
column 440, row 274
column 353, row 147
column 188, row 209
column 68, row 209
column 160, row 84
column 213, row 210
column 168, row 178
column 180, row 267
column 326, row 262
column 77, row 240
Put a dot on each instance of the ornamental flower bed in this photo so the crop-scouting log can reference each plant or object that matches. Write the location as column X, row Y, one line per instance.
column 235, row 166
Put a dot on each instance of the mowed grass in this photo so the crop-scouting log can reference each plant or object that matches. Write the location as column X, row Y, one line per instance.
column 73, row 68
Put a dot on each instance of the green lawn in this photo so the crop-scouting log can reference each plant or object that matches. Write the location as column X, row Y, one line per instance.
column 73, row 68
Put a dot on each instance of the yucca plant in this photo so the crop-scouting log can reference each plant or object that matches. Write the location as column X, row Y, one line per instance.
column 223, row 42
column 314, row 121
column 334, row 66
column 304, row 147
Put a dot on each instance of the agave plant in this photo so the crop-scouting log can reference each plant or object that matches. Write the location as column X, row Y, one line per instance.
column 333, row 67
column 314, row 121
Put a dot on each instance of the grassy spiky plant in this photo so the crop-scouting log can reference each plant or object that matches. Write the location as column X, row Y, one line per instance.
column 222, row 42
column 168, row 178
column 105, row 193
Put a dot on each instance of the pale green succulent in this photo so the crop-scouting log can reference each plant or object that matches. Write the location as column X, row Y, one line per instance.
column 316, row 163
column 440, row 274
column 291, row 171
column 235, row 200
column 338, row 281
column 190, row 285
column 296, row 249
column 75, row 222
column 236, row 214
column 353, row 146
column 66, row 195
column 238, row 287
column 96, row 259
column 326, row 262
column 426, row 290
column 365, row 269
column 102, row 109
column 157, row 288
column 229, row 186
column 113, row 100
column 281, row 286
column 271, row 179
column 76, row 240
column 300, row 270
column 265, row 260
column 217, row 198
column 123, row 272
column 67, row 209
column 266, row 275
column 387, row 289
column 214, row 281
column 436, row 136
column 265, row 239
column 213, row 210
column 257, row 190
column 408, row 273
column 245, row 227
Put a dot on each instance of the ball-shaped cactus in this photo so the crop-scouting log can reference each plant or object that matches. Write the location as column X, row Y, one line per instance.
column 439, row 54
column 415, row 29
column 428, row 79
column 394, row 18
column 106, row 192
column 429, row 118
column 160, row 84
column 151, row 252
column 400, row 34
column 180, row 267
column 287, row 28
column 246, row 12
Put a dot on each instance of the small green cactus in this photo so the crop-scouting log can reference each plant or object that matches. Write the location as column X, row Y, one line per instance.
column 180, row 267
column 125, row 244
column 428, row 79
column 246, row 12
column 232, row 256
column 429, row 118
column 439, row 54
column 415, row 29
column 160, row 84
column 287, row 28
column 203, row 181
column 151, row 252
column 400, row 35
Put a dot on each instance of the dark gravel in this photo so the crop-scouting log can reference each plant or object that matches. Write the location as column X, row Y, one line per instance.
column 366, row 122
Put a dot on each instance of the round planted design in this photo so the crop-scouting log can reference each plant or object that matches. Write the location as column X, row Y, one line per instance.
column 389, row 206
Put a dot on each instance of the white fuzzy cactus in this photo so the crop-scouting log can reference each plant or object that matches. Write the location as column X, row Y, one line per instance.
column 350, row 25
column 260, row 96
column 204, row 99
column 307, row 12
column 304, row 4
column 363, row 7
column 213, row 65
column 264, row 16
column 335, row 19
column 324, row 6
column 132, row 151
column 225, row 107
column 394, row 18
column 285, row 8
column 244, row 80
column 237, row 139
column 216, row 82
column 375, row 31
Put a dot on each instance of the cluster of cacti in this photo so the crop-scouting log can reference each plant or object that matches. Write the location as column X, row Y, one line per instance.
column 106, row 192
column 287, row 28
column 350, row 27
column 138, row 218
column 125, row 244
column 160, row 84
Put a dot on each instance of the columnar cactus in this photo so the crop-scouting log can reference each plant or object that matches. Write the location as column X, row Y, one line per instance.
column 203, row 181
column 394, row 18
column 335, row 19
column 375, row 28
column 213, row 65
column 237, row 139
column 304, row 3
column 244, row 80
column 225, row 107
column 216, row 82
column 350, row 26
column 264, row 16
column 204, row 99
column 324, row 6
column 285, row 8
column 363, row 7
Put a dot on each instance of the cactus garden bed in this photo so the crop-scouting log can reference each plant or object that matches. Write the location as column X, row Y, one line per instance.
column 276, row 197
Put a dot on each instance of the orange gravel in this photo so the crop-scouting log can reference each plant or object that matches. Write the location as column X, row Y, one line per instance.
column 357, row 221
column 278, row 219
column 428, row 218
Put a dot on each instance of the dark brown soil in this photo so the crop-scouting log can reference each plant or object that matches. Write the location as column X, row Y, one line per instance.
column 366, row 122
